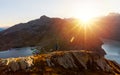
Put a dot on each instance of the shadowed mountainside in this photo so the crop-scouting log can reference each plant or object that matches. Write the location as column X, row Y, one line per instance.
column 73, row 62
column 108, row 26
column 49, row 33
column 65, row 34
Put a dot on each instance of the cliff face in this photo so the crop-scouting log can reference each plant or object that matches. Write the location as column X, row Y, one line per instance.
column 75, row 62
column 49, row 33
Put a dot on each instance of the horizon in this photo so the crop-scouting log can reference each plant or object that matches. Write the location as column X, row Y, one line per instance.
column 14, row 12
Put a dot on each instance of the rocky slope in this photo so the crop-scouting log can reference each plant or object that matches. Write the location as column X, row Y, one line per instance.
column 51, row 33
column 73, row 62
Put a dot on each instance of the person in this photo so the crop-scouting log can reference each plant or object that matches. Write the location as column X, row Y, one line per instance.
column 56, row 46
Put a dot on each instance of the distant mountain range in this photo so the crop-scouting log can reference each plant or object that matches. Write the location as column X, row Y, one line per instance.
column 63, row 34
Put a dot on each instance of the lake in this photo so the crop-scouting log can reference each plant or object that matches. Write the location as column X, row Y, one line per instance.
column 16, row 52
column 112, row 48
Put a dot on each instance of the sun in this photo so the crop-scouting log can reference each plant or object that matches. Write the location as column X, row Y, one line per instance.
column 85, row 13
column 84, row 18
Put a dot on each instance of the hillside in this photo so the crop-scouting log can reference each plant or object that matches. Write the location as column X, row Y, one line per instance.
column 49, row 33
column 62, row 34
column 108, row 26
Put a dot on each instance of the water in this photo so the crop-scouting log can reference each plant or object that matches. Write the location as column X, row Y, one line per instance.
column 112, row 48
column 16, row 52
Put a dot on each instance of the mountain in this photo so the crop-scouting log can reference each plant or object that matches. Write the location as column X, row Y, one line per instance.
column 51, row 33
column 108, row 27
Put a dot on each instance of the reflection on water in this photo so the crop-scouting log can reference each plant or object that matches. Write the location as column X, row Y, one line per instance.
column 16, row 52
column 112, row 48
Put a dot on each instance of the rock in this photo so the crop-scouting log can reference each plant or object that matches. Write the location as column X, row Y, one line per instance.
column 29, row 62
column 13, row 64
column 22, row 63
column 79, row 60
column 73, row 62
column 3, row 62
column 67, row 62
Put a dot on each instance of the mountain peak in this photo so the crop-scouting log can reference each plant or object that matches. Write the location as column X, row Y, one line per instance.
column 44, row 17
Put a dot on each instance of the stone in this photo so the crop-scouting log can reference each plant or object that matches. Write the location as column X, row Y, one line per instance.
column 61, row 62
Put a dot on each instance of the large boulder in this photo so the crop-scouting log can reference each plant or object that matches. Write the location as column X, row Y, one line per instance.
column 15, row 64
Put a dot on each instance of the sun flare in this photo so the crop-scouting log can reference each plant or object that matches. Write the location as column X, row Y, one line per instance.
column 85, row 13
column 85, row 19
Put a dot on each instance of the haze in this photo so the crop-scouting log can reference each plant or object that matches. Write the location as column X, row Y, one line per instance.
column 16, row 11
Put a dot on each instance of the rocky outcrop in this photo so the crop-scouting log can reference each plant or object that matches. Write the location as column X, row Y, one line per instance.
column 74, row 62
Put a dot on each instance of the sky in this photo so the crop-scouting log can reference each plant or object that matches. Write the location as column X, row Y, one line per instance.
column 16, row 11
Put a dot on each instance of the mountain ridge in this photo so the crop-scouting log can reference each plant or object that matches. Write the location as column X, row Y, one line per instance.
column 48, row 32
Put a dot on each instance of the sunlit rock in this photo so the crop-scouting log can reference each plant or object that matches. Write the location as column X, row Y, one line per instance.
column 61, row 63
